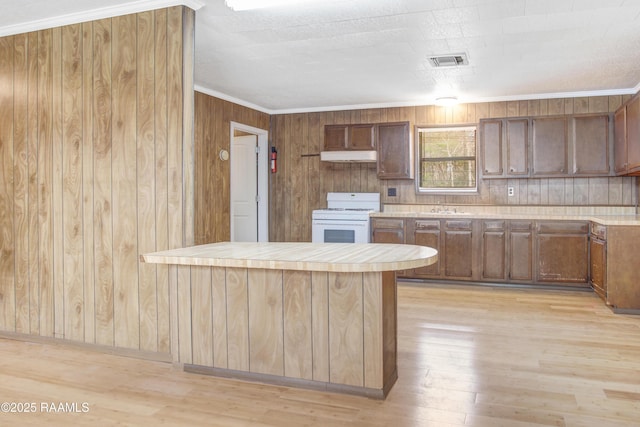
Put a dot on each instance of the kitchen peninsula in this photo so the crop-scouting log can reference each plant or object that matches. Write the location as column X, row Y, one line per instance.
column 311, row 315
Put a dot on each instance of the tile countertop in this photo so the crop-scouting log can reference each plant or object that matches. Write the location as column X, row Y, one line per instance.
column 334, row 257
column 603, row 216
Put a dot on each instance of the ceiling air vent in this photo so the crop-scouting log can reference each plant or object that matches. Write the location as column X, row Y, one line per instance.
column 451, row 60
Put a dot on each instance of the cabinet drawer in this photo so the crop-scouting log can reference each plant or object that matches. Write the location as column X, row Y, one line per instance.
column 458, row 224
column 493, row 225
column 564, row 227
column 427, row 224
column 599, row 231
column 387, row 223
column 520, row 225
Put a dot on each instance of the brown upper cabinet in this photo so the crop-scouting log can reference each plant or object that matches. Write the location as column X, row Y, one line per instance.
column 504, row 145
column 349, row 137
column 549, row 148
column 361, row 137
column 553, row 146
column 591, row 146
column 620, row 141
column 336, row 137
column 626, row 146
column 392, row 141
column 395, row 151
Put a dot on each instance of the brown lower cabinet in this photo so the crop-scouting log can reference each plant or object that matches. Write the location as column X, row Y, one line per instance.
column 520, row 251
column 500, row 251
column 615, row 266
column 425, row 232
column 388, row 230
column 562, row 252
column 565, row 253
column 598, row 259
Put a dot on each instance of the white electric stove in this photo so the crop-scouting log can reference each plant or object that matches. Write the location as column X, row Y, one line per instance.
column 346, row 218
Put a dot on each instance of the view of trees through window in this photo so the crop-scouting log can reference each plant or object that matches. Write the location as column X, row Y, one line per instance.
column 447, row 158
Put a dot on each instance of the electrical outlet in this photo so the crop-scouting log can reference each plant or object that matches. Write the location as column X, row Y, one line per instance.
column 511, row 191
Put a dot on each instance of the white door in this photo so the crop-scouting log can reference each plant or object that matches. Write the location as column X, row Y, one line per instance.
column 244, row 189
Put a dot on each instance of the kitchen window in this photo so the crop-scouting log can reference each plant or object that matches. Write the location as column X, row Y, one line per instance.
column 447, row 159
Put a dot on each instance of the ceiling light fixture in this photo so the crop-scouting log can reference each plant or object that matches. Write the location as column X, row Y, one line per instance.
column 446, row 101
column 262, row 4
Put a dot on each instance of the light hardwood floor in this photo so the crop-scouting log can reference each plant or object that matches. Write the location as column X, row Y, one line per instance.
column 468, row 356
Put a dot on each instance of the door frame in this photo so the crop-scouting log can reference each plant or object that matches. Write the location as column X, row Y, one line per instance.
column 263, row 177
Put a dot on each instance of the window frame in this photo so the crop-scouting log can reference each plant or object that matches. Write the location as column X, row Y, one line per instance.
column 418, row 162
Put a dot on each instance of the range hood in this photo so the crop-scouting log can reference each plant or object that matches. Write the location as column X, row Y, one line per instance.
column 349, row 156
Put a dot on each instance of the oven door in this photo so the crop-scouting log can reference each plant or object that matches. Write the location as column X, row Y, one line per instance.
column 339, row 231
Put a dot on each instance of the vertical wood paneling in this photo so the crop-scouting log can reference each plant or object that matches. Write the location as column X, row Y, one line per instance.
column 201, row 316
column 146, row 195
column 20, row 176
column 7, row 243
column 212, row 125
column 298, row 179
column 373, row 337
column 90, row 117
column 123, row 157
column 346, row 329
column 32, row 160
column 72, row 103
column 264, row 290
column 237, row 319
column 320, row 325
column 183, row 313
column 161, row 177
column 174, row 128
column 219, row 316
column 87, row 183
column 58, row 158
column 102, row 185
column 185, row 61
column 298, row 342
column 45, row 178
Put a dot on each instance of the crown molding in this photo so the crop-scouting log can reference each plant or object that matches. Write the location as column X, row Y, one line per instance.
column 95, row 14
column 230, row 98
column 462, row 100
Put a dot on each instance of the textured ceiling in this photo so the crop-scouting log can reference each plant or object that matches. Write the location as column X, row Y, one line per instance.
column 350, row 53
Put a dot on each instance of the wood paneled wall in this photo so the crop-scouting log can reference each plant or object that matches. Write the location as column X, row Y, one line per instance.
column 302, row 182
column 212, row 126
column 96, row 125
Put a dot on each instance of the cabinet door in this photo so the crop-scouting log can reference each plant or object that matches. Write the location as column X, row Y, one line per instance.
column 549, row 146
column 521, row 251
column 590, row 145
column 633, row 135
column 491, row 148
column 562, row 251
column 458, row 249
column 335, row 137
column 361, row 137
column 427, row 233
column 387, row 230
column 493, row 250
column 395, row 152
column 620, row 141
column 517, row 142
column 598, row 266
